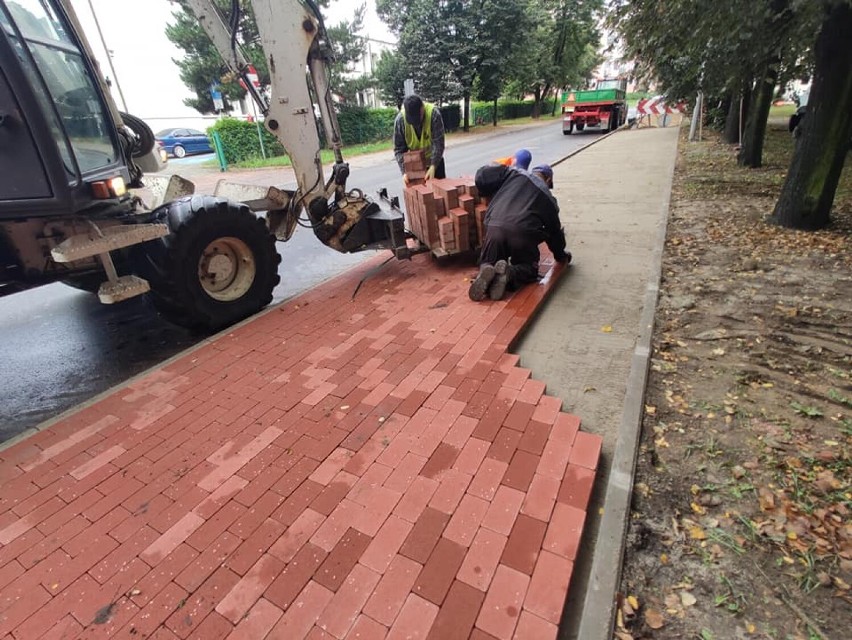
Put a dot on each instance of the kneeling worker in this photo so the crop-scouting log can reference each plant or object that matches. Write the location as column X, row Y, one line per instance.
column 522, row 214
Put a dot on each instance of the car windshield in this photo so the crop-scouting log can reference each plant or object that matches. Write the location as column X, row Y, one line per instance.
column 165, row 133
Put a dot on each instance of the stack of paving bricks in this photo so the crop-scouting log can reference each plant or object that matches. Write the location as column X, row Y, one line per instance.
column 376, row 467
column 446, row 215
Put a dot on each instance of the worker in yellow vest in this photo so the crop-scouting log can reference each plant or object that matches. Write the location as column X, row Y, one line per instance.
column 419, row 126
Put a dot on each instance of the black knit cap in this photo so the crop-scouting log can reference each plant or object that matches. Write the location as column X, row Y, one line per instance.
column 412, row 105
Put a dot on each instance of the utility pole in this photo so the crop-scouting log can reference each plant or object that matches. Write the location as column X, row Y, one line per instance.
column 108, row 55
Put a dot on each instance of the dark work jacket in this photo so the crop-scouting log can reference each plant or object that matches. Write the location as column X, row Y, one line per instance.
column 522, row 203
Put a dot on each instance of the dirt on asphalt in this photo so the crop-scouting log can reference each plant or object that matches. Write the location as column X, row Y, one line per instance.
column 741, row 521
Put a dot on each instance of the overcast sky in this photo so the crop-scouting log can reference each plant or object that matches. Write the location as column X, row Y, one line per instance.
column 142, row 55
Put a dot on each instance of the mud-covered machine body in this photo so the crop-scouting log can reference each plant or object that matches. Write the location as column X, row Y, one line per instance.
column 81, row 201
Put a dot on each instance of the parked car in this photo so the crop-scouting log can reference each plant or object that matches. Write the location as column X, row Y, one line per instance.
column 180, row 142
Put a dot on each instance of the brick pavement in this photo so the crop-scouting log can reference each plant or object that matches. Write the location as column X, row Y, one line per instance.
column 376, row 467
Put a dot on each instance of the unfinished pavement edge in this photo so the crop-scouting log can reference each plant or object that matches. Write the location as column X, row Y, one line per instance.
column 599, row 607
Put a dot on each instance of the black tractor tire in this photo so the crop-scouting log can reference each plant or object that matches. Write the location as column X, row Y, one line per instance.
column 581, row 126
column 210, row 237
column 569, row 131
column 613, row 119
column 146, row 141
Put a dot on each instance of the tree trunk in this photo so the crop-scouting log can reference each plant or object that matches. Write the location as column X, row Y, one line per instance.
column 494, row 113
column 748, row 99
column 751, row 153
column 536, row 110
column 808, row 192
column 466, row 111
column 731, row 134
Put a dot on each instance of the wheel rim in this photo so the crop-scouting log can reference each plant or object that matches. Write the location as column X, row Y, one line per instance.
column 180, row 152
column 227, row 269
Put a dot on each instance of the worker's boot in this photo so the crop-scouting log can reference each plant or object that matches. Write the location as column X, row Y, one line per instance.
column 501, row 279
column 479, row 286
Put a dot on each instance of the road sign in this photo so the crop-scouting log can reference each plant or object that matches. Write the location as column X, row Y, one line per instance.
column 216, row 94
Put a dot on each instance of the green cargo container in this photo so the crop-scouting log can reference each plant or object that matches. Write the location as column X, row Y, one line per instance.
column 595, row 95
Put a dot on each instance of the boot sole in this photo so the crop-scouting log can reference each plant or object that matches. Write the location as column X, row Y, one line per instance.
column 479, row 287
column 498, row 287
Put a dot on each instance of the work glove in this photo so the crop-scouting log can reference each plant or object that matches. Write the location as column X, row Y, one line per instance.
column 430, row 172
column 405, row 179
column 562, row 256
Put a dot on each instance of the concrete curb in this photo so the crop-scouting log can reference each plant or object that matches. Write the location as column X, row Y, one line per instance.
column 599, row 608
column 590, row 144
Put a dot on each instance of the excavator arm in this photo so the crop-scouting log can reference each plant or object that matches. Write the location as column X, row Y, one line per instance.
column 297, row 52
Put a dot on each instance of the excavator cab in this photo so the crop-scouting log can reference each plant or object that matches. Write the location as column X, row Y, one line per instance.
column 61, row 149
column 69, row 161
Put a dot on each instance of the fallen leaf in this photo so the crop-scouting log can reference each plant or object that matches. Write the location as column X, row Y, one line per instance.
column 634, row 602
column 672, row 601
column 654, row 619
column 650, row 409
column 664, row 558
column 718, row 352
column 687, row 599
column 606, row 328
column 750, row 628
column 697, row 533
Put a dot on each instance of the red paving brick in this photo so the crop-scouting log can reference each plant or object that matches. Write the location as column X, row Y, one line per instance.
column 407, row 480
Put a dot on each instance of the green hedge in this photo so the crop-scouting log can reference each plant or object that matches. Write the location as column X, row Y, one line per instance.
column 359, row 124
column 482, row 113
column 240, row 140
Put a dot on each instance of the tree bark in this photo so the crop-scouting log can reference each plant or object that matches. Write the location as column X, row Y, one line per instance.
column 466, row 111
column 821, row 148
column 748, row 97
column 494, row 113
column 751, row 152
column 731, row 133
column 536, row 110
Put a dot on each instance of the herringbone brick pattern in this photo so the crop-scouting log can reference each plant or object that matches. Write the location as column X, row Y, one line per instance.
column 367, row 467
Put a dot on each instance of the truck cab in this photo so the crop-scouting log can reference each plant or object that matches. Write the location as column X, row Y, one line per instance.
column 605, row 106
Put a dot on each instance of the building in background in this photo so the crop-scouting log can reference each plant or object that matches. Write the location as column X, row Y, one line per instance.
column 614, row 64
column 366, row 66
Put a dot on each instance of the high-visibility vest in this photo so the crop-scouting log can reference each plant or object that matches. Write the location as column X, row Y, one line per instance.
column 425, row 140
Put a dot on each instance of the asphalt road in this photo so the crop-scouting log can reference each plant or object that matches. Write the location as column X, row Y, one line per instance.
column 61, row 346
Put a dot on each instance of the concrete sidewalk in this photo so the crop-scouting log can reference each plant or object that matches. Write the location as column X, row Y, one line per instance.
column 591, row 341
column 350, row 466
